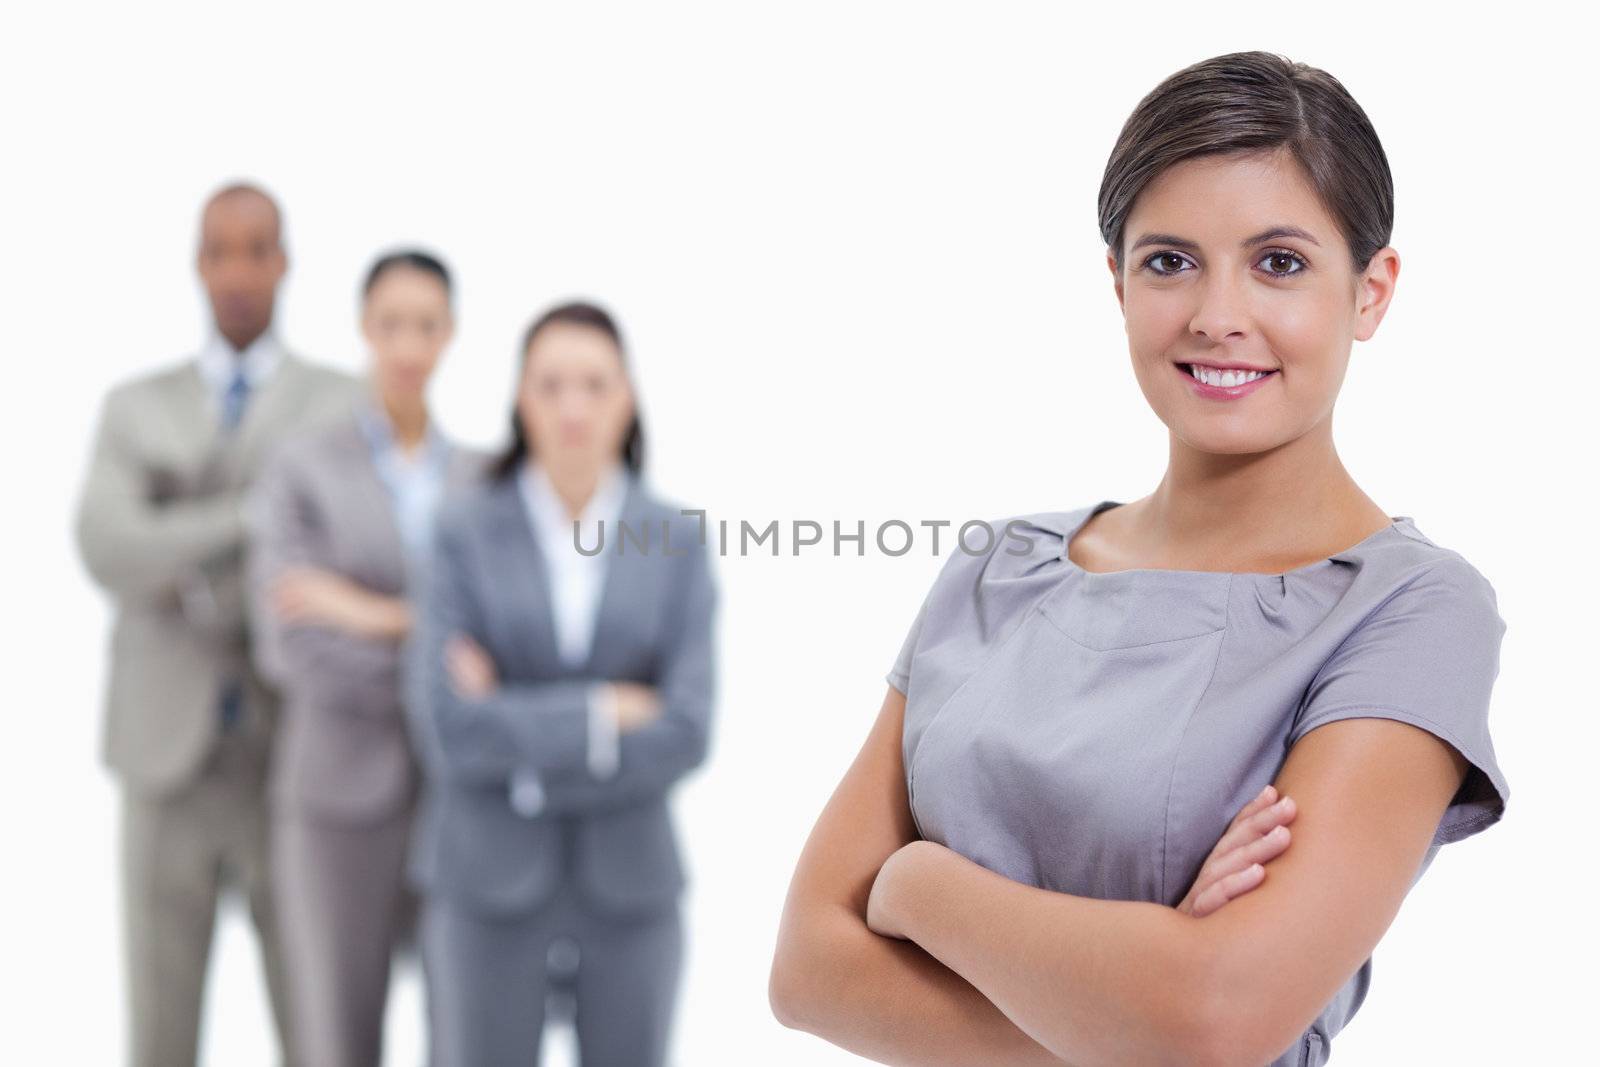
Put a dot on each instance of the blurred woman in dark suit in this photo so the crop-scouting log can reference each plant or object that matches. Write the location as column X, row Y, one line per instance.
column 342, row 520
column 560, row 693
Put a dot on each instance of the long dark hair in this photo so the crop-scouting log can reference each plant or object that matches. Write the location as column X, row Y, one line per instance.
column 1260, row 101
column 576, row 313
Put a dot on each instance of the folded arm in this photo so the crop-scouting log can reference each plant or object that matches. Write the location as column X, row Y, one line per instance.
column 331, row 667
column 1115, row 982
column 520, row 726
column 882, row 998
column 136, row 545
column 655, row 756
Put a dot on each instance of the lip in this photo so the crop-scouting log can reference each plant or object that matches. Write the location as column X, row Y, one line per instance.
column 1222, row 392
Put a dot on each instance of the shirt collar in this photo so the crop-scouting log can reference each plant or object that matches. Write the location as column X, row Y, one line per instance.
column 550, row 514
column 218, row 359
column 379, row 431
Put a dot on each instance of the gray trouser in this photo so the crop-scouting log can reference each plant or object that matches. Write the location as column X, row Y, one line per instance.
column 488, row 979
column 176, row 851
column 343, row 907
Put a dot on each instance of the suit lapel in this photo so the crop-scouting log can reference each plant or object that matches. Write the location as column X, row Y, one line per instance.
column 527, row 573
column 370, row 500
column 268, row 412
column 622, row 573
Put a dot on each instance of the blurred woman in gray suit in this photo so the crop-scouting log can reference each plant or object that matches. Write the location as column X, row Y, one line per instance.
column 341, row 523
column 563, row 683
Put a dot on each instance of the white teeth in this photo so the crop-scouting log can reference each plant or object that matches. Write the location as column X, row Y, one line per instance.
column 1224, row 378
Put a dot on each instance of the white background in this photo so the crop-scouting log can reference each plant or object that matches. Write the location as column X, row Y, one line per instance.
column 854, row 249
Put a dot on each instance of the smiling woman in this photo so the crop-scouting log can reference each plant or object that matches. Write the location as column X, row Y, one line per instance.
column 1077, row 740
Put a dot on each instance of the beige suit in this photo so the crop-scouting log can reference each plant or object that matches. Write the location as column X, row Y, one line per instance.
column 160, row 525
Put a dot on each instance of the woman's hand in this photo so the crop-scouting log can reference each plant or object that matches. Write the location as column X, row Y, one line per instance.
column 636, row 705
column 313, row 595
column 1236, row 865
column 472, row 673
column 901, row 865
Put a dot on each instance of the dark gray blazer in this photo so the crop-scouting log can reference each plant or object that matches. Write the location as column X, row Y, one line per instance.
column 160, row 524
column 615, row 836
column 342, row 750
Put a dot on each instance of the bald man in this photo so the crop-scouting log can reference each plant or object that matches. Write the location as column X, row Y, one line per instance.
column 187, row 721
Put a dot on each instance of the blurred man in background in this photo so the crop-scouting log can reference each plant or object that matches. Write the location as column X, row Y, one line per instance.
column 160, row 526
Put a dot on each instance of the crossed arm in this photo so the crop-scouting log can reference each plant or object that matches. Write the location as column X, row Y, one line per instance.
column 140, row 546
column 994, row 971
column 543, row 725
column 300, row 642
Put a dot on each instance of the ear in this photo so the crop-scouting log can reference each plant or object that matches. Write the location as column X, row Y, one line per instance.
column 1374, row 290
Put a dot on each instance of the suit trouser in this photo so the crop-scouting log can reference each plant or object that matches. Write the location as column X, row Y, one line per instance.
column 344, row 907
column 177, row 848
column 488, row 978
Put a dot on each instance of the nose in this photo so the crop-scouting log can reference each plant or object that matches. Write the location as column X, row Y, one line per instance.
column 1221, row 312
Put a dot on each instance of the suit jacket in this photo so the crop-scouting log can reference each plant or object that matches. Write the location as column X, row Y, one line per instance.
column 341, row 750
column 615, row 836
column 160, row 525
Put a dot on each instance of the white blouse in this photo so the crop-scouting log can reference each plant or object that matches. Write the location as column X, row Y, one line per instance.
column 576, row 584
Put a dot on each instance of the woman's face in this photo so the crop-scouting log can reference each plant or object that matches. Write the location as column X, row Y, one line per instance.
column 407, row 323
column 1212, row 275
column 574, row 400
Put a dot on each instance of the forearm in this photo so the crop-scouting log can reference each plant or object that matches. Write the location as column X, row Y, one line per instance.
column 650, row 760
column 141, row 550
column 332, row 669
column 890, row 1001
column 1095, row 981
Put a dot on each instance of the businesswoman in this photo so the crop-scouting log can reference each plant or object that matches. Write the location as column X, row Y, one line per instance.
column 341, row 526
column 563, row 680
column 1084, row 701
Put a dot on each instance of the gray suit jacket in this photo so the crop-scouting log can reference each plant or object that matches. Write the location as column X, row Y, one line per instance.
column 614, row 836
column 341, row 751
column 160, row 525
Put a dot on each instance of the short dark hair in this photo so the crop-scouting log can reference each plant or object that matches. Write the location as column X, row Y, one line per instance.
column 414, row 258
column 1254, row 101
column 575, row 313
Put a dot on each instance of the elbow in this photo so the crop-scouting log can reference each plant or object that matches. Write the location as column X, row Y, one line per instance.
column 790, row 989
column 1235, row 1027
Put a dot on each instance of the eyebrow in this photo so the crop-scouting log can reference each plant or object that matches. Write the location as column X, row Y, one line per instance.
column 1269, row 234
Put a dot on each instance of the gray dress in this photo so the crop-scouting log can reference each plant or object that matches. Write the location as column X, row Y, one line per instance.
column 1094, row 733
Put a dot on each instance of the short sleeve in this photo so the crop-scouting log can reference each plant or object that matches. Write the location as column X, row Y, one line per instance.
column 1427, row 656
column 899, row 675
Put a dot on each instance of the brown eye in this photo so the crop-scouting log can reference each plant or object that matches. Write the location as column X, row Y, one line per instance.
column 1290, row 261
column 1171, row 263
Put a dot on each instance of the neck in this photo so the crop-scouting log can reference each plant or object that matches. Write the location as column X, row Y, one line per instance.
column 1256, row 505
column 408, row 418
column 575, row 485
column 241, row 341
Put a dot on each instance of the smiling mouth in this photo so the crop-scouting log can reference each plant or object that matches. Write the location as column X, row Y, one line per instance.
column 1222, row 378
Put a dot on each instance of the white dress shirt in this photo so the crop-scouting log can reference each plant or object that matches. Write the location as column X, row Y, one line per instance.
column 576, row 582
column 218, row 360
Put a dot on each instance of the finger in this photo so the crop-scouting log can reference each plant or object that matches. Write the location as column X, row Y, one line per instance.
column 1223, row 890
column 1269, row 845
column 1282, row 811
column 1261, row 800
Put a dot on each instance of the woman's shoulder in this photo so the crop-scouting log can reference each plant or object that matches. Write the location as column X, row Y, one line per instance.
column 309, row 449
column 995, row 570
column 1408, row 559
column 476, row 505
